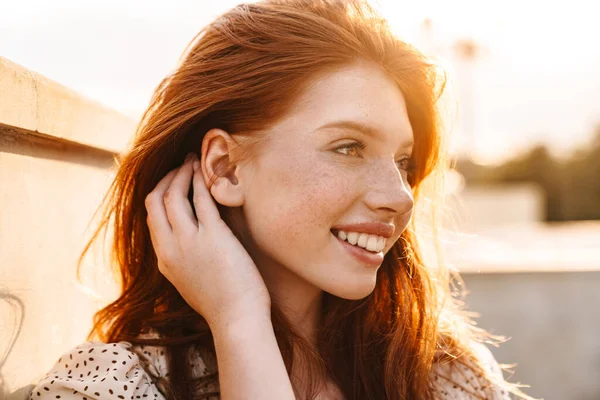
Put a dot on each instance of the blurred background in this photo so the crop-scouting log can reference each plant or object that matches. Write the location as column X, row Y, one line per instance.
column 524, row 115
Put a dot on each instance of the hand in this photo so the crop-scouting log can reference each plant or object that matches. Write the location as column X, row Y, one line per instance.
column 200, row 255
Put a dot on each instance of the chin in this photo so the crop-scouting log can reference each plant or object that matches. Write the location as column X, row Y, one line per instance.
column 353, row 290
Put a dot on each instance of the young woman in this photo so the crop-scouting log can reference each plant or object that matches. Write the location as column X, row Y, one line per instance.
column 283, row 248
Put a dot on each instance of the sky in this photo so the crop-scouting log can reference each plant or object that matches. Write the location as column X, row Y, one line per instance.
column 536, row 78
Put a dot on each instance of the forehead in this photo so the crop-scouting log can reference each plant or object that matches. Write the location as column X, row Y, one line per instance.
column 361, row 92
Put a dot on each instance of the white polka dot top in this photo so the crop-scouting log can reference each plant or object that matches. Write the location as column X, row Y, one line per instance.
column 97, row 370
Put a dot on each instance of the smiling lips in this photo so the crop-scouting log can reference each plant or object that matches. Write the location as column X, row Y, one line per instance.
column 370, row 228
column 365, row 240
column 361, row 255
column 371, row 243
column 368, row 235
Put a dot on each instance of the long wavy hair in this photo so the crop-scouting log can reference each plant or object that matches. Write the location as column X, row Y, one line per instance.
column 241, row 73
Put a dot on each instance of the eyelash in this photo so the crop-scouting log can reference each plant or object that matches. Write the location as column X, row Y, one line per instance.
column 359, row 144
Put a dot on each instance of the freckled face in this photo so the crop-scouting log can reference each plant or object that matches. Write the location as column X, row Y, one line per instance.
column 303, row 184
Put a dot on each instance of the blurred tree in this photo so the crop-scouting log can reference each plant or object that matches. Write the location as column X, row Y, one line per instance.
column 572, row 186
column 537, row 166
column 582, row 181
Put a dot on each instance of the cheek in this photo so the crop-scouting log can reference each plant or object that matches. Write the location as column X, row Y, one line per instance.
column 296, row 202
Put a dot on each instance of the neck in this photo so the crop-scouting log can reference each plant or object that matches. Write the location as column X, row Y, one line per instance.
column 298, row 300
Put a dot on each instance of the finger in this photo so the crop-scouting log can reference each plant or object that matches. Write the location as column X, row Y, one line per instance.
column 204, row 204
column 158, row 223
column 179, row 210
column 154, row 203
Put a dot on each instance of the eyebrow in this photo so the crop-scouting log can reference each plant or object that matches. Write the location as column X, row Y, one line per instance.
column 362, row 128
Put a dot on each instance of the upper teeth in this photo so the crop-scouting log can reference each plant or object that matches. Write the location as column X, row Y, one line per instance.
column 370, row 242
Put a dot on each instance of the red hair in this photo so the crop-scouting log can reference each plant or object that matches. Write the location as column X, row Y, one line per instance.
column 241, row 73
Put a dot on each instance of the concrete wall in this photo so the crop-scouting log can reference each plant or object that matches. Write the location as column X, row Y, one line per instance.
column 57, row 152
column 481, row 207
column 554, row 321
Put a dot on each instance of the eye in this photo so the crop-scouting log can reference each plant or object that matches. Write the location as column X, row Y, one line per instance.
column 408, row 167
column 356, row 146
column 404, row 163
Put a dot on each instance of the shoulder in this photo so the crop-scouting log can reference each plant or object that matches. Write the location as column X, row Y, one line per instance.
column 95, row 370
column 457, row 379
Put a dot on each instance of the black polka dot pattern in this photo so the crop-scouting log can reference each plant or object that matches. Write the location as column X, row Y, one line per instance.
column 96, row 370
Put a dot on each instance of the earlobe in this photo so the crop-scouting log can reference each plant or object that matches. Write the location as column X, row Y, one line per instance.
column 226, row 193
column 218, row 166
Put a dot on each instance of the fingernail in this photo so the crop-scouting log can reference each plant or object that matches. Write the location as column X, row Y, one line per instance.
column 195, row 164
column 189, row 157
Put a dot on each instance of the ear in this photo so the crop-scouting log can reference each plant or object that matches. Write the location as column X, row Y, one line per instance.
column 215, row 160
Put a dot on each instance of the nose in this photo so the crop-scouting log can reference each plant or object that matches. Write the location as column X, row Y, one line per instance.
column 386, row 189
